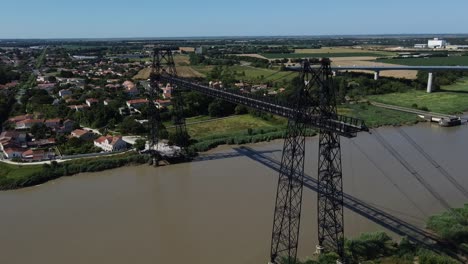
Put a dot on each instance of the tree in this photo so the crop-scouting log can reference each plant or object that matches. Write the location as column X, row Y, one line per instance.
column 39, row 131
column 130, row 126
column 140, row 144
column 66, row 74
column 240, row 110
column 52, row 79
column 219, row 108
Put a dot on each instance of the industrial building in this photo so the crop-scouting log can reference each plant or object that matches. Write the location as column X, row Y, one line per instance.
column 437, row 44
column 433, row 44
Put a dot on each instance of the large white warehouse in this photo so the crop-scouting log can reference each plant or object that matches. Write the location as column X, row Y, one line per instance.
column 437, row 43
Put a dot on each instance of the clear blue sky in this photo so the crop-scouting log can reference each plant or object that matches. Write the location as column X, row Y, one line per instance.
column 172, row 18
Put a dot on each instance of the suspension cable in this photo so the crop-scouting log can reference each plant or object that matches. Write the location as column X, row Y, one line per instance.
column 434, row 163
column 411, row 170
column 388, row 177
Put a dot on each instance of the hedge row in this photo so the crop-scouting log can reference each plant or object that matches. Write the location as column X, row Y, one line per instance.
column 56, row 170
column 256, row 136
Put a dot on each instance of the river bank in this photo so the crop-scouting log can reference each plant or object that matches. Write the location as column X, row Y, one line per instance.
column 19, row 176
column 199, row 211
column 245, row 129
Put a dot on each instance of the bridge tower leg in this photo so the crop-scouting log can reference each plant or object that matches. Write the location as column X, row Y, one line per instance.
column 154, row 119
column 287, row 215
column 163, row 63
column 317, row 97
column 430, row 80
column 330, row 183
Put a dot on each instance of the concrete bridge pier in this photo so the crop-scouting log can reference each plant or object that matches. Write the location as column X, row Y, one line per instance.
column 430, row 79
column 376, row 75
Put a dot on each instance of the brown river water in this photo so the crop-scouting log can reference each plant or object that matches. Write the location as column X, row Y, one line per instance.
column 220, row 209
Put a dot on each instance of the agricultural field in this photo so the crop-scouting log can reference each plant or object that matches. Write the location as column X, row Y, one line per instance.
column 182, row 71
column 435, row 61
column 342, row 50
column 450, row 99
column 252, row 74
column 321, row 55
column 232, row 125
column 370, row 61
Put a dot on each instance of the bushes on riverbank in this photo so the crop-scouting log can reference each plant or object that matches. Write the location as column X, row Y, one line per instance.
column 55, row 170
column 378, row 247
column 239, row 138
column 452, row 226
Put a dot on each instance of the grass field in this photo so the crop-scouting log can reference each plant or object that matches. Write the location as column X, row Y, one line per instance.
column 232, row 125
column 321, row 55
column 17, row 171
column 450, row 99
column 342, row 50
column 251, row 73
column 375, row 116
column 442, row 61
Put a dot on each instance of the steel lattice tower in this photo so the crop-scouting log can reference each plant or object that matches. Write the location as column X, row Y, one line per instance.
column 163, row 64
column 315, row 97
column 154, row 120
column 330, row 180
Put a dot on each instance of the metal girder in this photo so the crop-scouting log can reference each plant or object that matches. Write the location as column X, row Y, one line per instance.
column 343, row 125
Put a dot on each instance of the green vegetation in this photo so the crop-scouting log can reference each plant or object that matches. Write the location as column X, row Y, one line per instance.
column 7, row 74
column 11, row 172
column 321, row 55
column 248, row 73
column 376, row 116
column 450, row 99
column 452, row 226
column 7, row 100
column 74, row 146
column 240, row 129
column 241, row 137
column 378, row 247
column 233, row 124
column 433, row 61
column 41, row 59
column 19, row 176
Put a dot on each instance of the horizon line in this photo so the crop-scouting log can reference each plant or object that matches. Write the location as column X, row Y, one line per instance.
column 237, row 36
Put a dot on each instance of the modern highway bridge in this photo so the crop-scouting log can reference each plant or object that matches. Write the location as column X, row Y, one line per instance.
column 378, row 69
column 313, row 106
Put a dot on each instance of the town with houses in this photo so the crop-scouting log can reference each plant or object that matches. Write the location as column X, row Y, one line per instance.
column 71, row 104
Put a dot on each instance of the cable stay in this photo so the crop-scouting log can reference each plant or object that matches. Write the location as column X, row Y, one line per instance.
column 434, row 163
column 411, row 170
column 388, row 177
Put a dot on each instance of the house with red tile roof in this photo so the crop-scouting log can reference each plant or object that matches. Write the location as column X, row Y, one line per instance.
column 37, row 155
column 78, row 107
column 82, row 134
column 130, row 88
column 110, row 143
column 163, row 103
column 20, row 118
column 53, row 123
column 137, row 103
column 92, row 101
column 11, row 153
column 28, row 123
